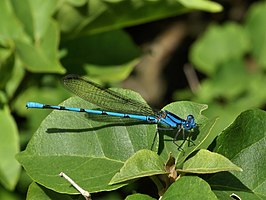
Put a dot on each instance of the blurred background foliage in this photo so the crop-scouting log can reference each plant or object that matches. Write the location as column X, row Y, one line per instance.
column 165, row 50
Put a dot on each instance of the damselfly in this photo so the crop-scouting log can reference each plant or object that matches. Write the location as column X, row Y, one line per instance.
column 117, row 105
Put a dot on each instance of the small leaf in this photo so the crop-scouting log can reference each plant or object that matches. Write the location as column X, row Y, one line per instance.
column 171, row 168
column 231, row 40
column 205, row 162
column 202, row 5
column 142, row 163
column 201, row 137
column 188, row 188
column 139, row 197
column 111, row 73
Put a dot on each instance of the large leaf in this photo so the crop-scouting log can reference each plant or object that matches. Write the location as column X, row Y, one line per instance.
column 88, row 151
column 189, row 187
column 108, row 15
column 200, row 138
column 9, row 147
column 243, row 143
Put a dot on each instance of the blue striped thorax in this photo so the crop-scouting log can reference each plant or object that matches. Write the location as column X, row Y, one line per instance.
column 168, row 119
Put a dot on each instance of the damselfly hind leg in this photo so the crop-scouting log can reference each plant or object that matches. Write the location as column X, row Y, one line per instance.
column 179, row 146
column 154, row 139
column 186, row 137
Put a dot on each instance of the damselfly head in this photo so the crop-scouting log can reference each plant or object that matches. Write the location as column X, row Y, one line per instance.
column 190, row 122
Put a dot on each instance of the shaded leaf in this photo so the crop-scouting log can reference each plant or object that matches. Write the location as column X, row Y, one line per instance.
column 96, row 55
column 189, row 187
column 6, row 66
column 109, row 15
column 225, row 184
column 139, row 197
column 7, row 195
column 9, row 147
column 242, row 142
column 37, row 192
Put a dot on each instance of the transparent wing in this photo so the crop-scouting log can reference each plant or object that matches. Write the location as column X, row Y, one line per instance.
column 104, row 98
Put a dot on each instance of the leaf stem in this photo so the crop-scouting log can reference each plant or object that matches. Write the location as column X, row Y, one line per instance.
column 83, row 192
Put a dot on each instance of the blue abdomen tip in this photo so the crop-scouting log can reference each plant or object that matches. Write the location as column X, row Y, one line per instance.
column 34, row 105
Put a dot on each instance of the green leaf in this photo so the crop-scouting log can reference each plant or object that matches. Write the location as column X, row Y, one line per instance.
column 205, row 162
column 109, row 15
column 15, row 79
column 189, row 187
column 42, row 55
column 28, row 26
column 142, row 163
column 88, row 151
column 111, row 73
column 35, row 15
column 201, row 137
column 242, row 142
column 255, row 27
column 139, row 197
column 77, row 2
column 223, row 79
column 225, row 184
column 42, row 12
column 202, row 5
column 7, row 195
column 6, row 66
column 10, row 27
column 9, row 147
column 37, row 192
column 97, row 57
column 218, row 45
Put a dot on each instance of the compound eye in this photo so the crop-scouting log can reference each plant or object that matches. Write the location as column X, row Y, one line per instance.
column 190, row 118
